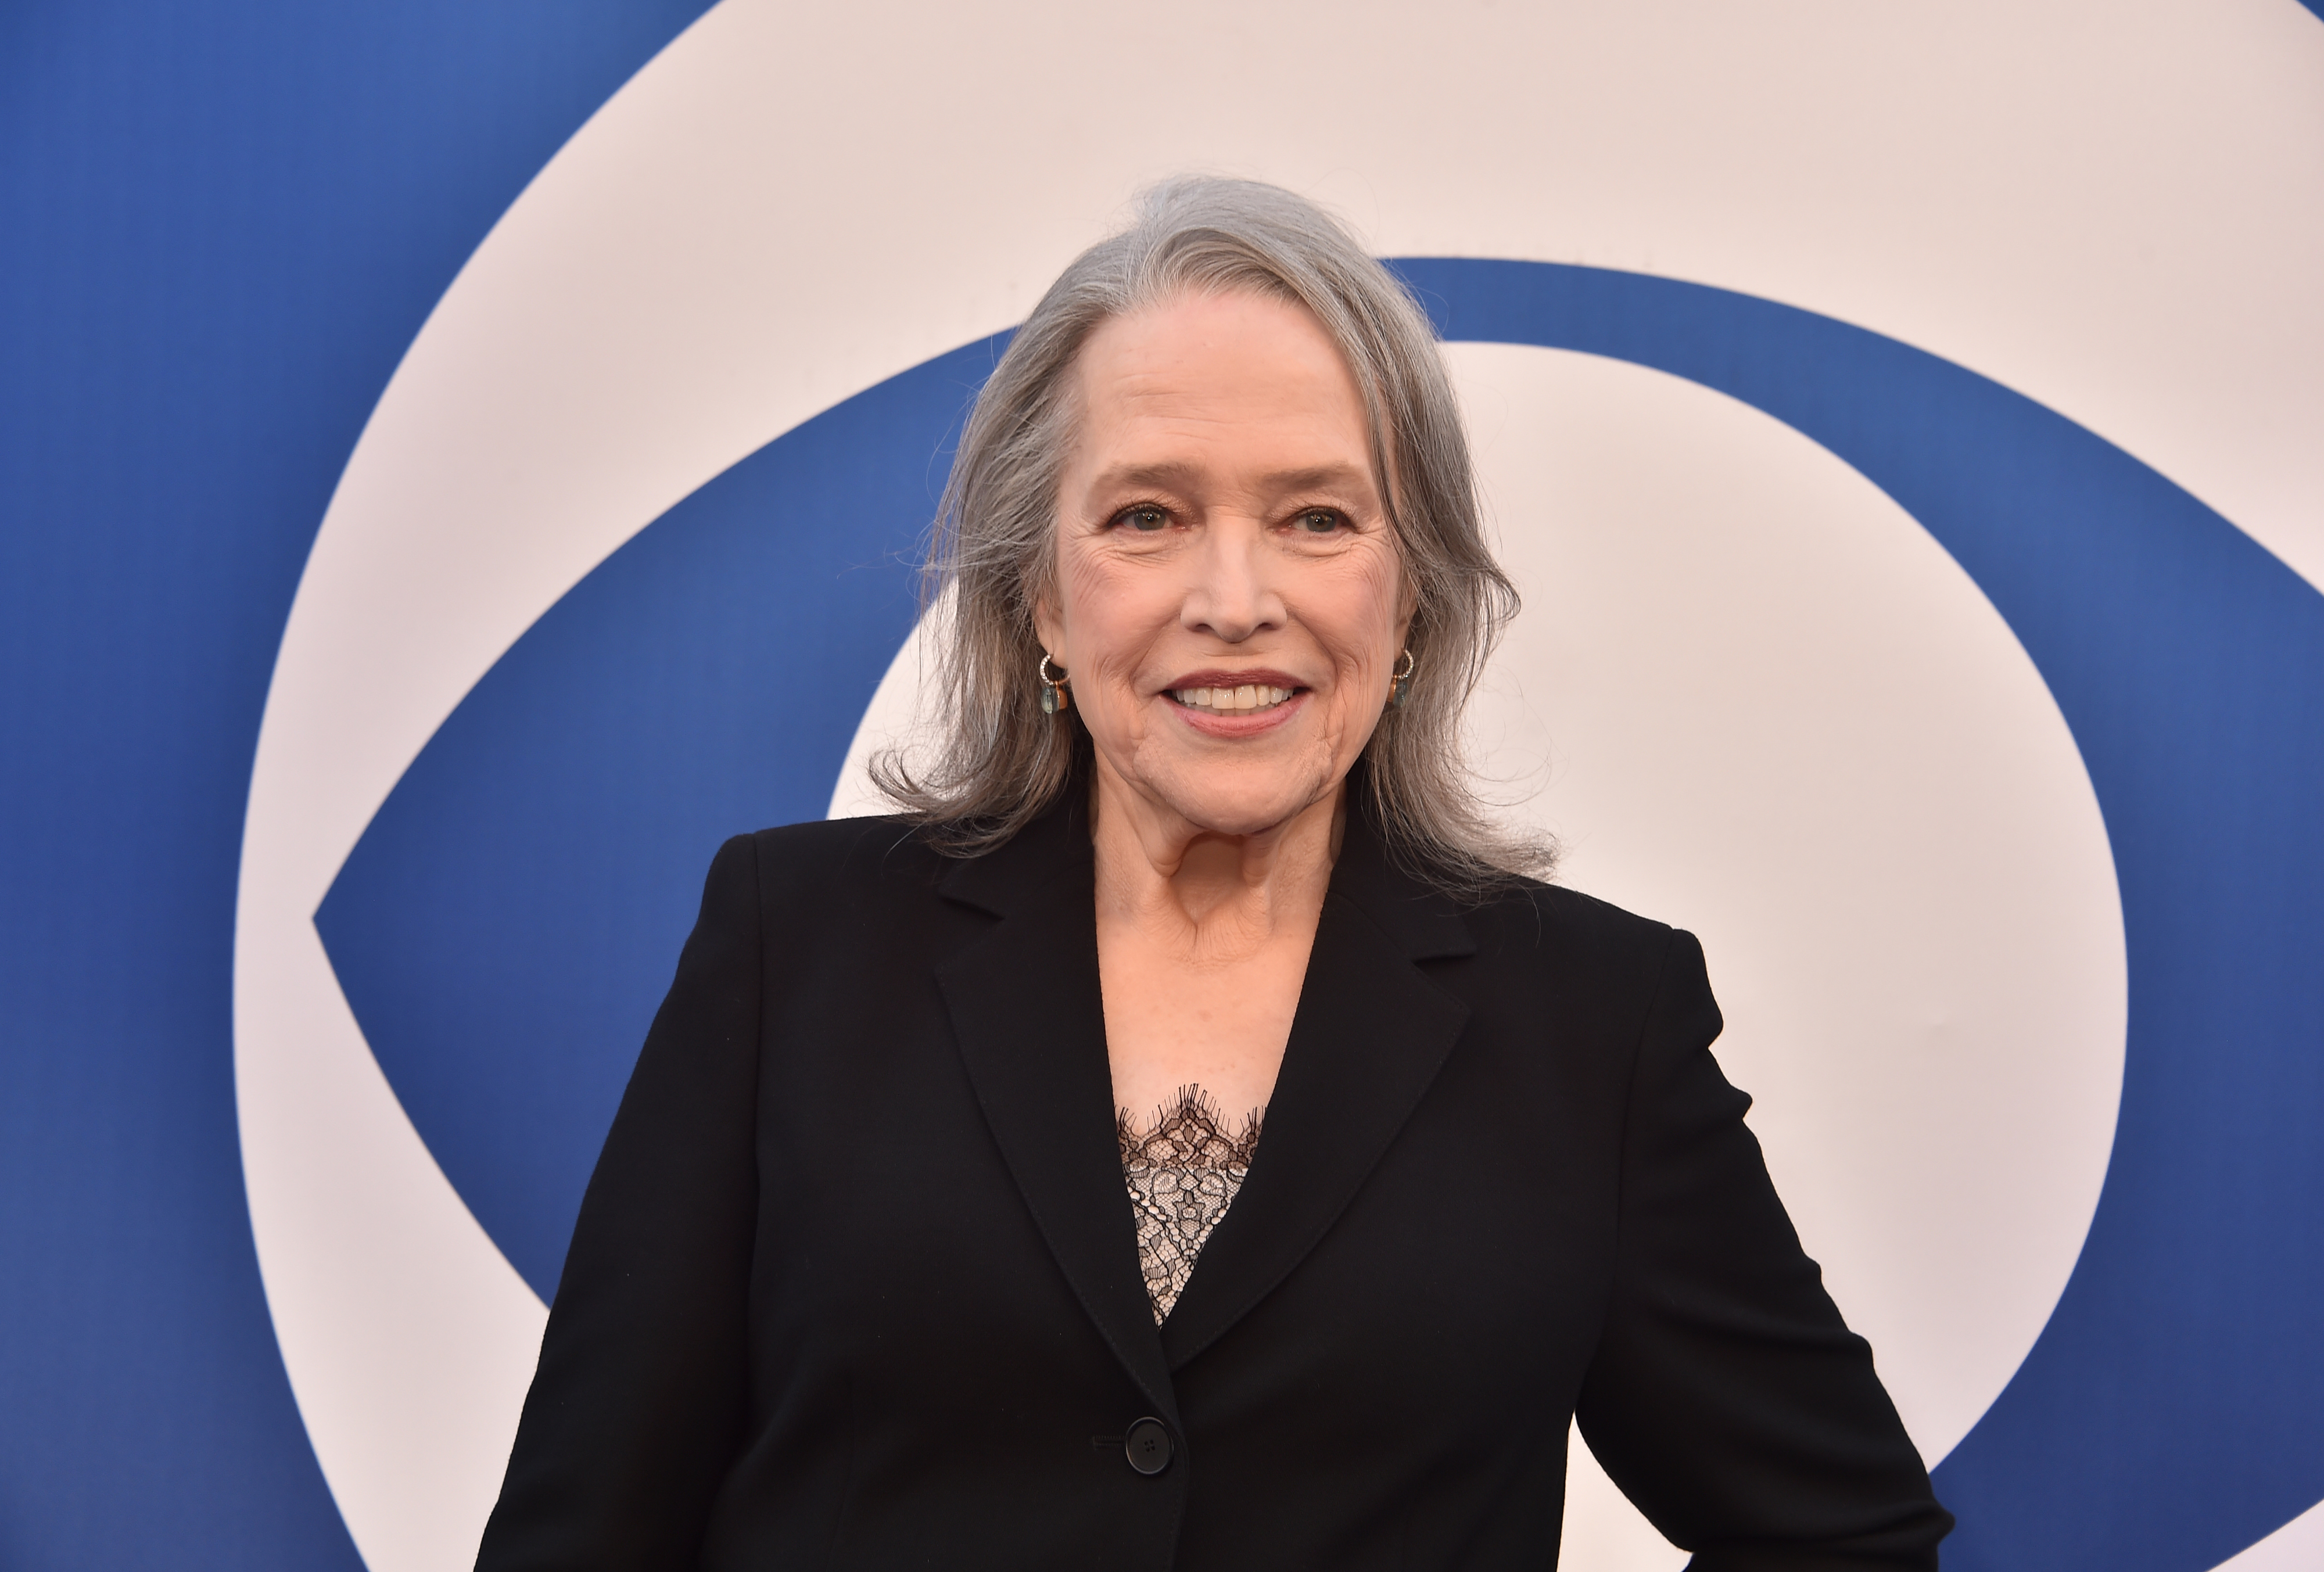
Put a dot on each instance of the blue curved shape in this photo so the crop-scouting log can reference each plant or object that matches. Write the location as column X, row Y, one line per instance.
column 510, row 918
column 2173, row 1411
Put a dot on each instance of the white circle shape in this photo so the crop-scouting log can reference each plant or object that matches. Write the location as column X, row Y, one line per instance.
column 1774, row 711
column 1750, row 695
column 791, row 203
column 1754, row 697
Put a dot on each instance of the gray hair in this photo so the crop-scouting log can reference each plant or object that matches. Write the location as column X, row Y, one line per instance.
column 998, row 761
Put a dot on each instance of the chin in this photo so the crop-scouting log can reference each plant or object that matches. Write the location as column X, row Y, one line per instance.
column 1221, row 804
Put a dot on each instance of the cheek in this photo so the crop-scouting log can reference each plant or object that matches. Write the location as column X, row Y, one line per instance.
column 1084, row 588
column 1368, row 609
column 1108, row 623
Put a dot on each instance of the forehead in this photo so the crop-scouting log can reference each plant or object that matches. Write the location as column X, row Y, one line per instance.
column 1229, row 373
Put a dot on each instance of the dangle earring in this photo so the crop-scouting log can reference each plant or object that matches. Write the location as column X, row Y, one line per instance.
column 1055, row 697
column 1399, row 684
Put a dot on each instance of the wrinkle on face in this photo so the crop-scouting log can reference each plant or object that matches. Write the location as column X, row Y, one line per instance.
column 1234, row 421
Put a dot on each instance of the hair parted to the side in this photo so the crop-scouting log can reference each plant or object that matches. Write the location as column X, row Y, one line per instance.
column 998, row 762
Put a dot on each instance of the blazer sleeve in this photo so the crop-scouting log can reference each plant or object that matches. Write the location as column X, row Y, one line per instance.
column 1727, row 1397
column 639, row 1402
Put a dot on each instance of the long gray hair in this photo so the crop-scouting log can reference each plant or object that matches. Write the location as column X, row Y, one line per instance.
column 997, row 761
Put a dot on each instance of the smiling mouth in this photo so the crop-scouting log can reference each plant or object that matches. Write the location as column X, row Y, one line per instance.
column 1245, row 700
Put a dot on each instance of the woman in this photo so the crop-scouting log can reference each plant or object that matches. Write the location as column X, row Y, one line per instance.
column 1184, row 1136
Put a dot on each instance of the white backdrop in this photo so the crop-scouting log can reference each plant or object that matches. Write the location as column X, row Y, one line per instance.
column 2112, row 209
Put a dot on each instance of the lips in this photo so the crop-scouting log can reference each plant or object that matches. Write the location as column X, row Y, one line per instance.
column 1243, row 699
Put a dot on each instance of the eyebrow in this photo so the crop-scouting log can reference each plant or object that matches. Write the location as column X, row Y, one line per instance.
column 1171, row 476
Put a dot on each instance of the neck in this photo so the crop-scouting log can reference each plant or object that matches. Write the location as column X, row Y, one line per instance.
column 1207, row 896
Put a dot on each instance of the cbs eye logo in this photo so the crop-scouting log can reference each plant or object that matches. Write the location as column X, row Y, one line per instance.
column 449, row 945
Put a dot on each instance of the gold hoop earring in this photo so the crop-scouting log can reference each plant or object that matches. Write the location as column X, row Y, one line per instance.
column 1055, row 698
column 1399, row 683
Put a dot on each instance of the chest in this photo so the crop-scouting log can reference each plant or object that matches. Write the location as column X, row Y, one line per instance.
column 1174, row 1020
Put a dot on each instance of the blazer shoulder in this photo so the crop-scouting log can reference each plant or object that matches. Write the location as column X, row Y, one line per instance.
column 827, row 863
column 1532, row 914
column 1572, row 907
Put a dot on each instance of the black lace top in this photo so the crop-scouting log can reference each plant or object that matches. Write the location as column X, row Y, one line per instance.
column 1183, row 1170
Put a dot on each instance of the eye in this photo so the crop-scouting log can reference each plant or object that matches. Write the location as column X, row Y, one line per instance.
column 1320, row 520
column 1145, row 517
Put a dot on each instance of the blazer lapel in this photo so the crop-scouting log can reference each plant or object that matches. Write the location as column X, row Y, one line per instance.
column 1370, row 1035
column 1031, row 1024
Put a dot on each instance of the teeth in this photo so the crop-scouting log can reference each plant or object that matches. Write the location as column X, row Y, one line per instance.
column 1229, row 701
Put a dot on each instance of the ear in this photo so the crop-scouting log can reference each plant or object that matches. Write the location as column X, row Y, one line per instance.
column 1049, row 628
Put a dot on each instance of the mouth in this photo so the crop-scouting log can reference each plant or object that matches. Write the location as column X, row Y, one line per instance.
column 1245, row 699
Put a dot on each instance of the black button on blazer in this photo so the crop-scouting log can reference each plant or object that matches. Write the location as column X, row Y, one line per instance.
column 856, row 1283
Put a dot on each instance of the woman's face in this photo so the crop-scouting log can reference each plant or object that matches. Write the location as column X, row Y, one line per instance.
column 1229, row 600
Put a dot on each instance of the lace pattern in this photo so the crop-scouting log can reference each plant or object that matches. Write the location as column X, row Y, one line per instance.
column 1183, row 1172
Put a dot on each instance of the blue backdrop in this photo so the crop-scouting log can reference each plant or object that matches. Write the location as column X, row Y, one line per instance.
column 220, row 225
column 218, row 232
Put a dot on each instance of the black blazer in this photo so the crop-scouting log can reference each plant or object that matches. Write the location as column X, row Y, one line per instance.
column 856, row 1283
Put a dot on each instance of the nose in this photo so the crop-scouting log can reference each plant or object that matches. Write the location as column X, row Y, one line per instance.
column 1231, row 593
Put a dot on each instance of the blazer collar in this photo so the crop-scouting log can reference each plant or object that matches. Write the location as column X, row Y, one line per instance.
column 1370, row 1035
column 1032, row 1024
